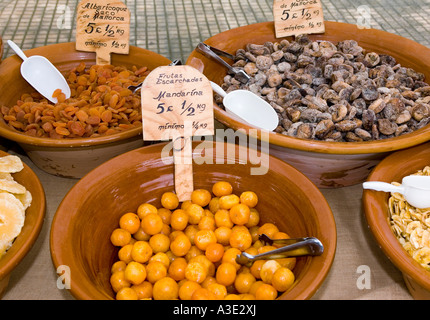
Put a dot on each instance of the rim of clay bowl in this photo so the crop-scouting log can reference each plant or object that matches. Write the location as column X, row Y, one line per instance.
column 364, row 37
column 375, row 205
column 85, row 289
column 32, row 224
column 61, row 49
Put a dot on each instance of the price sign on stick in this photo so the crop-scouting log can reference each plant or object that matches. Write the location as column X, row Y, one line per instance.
column 177, row 103
column 103, row 27
column 293, row 17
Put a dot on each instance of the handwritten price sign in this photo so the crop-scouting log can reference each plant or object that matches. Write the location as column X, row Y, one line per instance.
column 293, row 17
column 177, row 103
column 103, row 27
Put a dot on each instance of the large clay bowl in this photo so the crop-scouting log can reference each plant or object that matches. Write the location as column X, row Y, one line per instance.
column 32, row 225
column 327, row 164
column 70, row 157
column 81, row 228
column 375, row 205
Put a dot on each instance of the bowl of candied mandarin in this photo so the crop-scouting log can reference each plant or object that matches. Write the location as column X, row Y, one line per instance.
column 137, row 241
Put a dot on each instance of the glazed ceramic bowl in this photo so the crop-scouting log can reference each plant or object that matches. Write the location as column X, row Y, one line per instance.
column 327, row 164
column 70, row 157
column 81, row 228
column 375, row 205
column 32, row 225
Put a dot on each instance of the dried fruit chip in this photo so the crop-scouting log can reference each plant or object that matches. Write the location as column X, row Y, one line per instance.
column 10, row 164
column 11, row 220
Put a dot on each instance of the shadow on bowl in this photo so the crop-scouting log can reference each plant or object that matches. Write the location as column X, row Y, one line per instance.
column 81, row 228
column 70, row 157
column 33, row 222
column 327, row 164
column 375, row 204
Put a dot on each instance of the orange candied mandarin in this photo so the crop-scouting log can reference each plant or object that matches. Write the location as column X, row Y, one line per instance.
column 214, row 205
column 266, row 292
column 207, row 223
column 268, row 269
column 165, row 289
column 223, row 235
column 169, row 200
column 177, row 269
column 203, row 294
column 141, row 251
column 283, row 279
column 159, row 243
column 230, row 256
column 219, row 290
column 202, row 197
column 249, row 198
column 118, row 281
column 124, row 254
column 228, row 201
column 268, row 229
column 165, row 215
column 118, row 266
column 146, row 208
column 152, row 223
column 256, row 268
column 222, row 188
column 222, row 219
column 239, row 214
column 226, row 274
column 203, row 238
column 195, row 213
column 120, row 237
column 126, row 294
column 187, row 289
column 243, row 282
column 179, row 219
column 180, row 245
column 240, row 238
column 195, row 271
column 135, row 273
column 254, row 218
column 155, row 271
column 214, row 251
column 190, row 231
column 130, row 222
column 143, row 290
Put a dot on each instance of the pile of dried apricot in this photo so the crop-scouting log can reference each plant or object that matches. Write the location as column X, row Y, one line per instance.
column 100, row 104
column 188, row 250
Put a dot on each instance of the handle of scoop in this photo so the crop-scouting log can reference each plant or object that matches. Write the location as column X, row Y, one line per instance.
column 382, row 186
column 218, row 89
column 17, row 50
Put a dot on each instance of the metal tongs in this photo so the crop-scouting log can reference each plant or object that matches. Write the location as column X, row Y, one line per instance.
column 293, row 247
column 134, row 89
column 214, row 53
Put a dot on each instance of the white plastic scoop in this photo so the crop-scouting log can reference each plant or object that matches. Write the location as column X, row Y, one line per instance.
column 41, row 74
column 249, row 107
column 415, row 189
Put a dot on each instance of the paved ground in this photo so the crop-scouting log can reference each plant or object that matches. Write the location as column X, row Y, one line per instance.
column 174, row 27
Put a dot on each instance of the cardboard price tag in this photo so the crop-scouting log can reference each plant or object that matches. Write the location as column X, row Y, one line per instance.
column 177, row 103
column 103, row 27
column 293, row 17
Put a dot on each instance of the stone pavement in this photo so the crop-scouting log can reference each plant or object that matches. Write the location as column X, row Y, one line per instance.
column 174, row 27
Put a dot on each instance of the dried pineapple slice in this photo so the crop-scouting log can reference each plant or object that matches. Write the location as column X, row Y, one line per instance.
column 11, row 164
column 12, row 216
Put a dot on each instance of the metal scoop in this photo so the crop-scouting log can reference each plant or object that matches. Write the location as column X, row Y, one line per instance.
column 41, row 74
column 415, row 189
column 249, row 107
column 293, row 247
column 239, row 74
column 136, row 88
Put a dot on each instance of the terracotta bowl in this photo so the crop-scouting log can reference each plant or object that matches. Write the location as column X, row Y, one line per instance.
column 32, row 225
column 327, row 164
column 70, row 157
column 375, row 205
column 84, row 220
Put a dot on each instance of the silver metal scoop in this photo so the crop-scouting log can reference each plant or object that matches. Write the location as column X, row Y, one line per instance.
column 136, row 88
column 415, row 189
column 293, row 247
column 239, row 74
column 41, row 74
column 249, row 107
